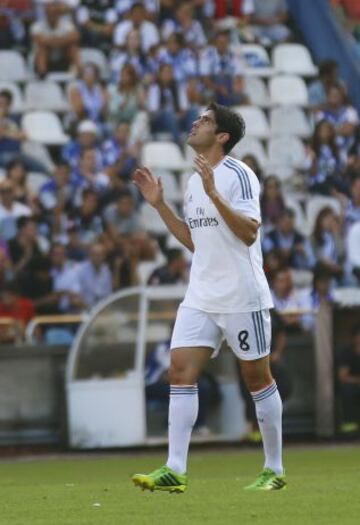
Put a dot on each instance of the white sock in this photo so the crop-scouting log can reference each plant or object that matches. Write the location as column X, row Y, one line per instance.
column 268, row 407
column 183, row 412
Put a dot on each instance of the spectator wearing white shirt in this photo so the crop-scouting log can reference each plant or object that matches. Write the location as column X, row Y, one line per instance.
column 286, row 298
column 10, row 210
column 221, row 72
column 55, row 41
column 94, row 276
column 96, row 21
column 123, row 7
column 148, row 31
column 169, row 106
column 65, row 281
column 184, row 23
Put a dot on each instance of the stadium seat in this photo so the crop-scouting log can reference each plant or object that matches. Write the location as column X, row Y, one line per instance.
column 162, row 155
column 151, row 220
column 289, row 120
column 250, row 146
column 286, row 154
column 288, row 90
column 97, row 57
column 255, row 120
column 256, row 59
column 44, row 127
column 39, row 152
column 35, row 181
column 170, row 184
column 46, row 96
column 257, row 92
column 18, row 98
column 293, row 59
column 13, row 66
column 315, row 204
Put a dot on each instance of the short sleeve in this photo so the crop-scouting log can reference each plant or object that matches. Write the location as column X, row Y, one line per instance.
column 245, row 192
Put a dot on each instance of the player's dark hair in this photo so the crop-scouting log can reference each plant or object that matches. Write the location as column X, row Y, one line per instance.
column 227, row 121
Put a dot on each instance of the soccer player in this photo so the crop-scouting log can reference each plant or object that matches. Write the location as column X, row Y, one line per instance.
column 227, row 297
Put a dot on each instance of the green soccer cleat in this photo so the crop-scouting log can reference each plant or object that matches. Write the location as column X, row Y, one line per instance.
column 163, row 479
column 268, row 480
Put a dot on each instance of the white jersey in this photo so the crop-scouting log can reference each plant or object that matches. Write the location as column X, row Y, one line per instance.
column 226, row 275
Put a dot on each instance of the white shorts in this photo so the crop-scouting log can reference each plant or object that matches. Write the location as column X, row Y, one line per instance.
column 247, row 333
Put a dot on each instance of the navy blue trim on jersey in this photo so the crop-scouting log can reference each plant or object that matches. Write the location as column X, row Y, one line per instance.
column 261, row 323
column 243, row 177
column 256, row 333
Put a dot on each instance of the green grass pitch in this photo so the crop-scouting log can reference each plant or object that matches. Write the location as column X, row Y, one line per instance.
column 324, row 489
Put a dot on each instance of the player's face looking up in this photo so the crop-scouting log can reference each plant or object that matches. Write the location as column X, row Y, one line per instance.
column 203, row 134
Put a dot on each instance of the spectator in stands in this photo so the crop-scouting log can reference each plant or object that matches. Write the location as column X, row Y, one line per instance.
column 132, row 54
column 120, row 156
column 17, row 307
column 353, row 254
column 295, row 249
column 287, row 300
column 12, row 137
column 184, row 23
column 60, row 191
column 271, row 202
column 96, row 22
column 327, row 242
column 55, row 40
column 342, row 116
column 14, row 18
column 94, row 276
column 137, row 20
column 17, row 175
column 127, row 100
column 349, row 379
column 269, row 21
column 181, row 58
column 25, row 246
column 175, row 271
column 169, row 107
column 348, row 12
column 88, row 98
column 328, row 75
column 82, row 227
column 253, row 163
column 352, row 209
column 152, row 7
column 65, row 282
column 88, row 174
column 6, row 273
column 37, row 284
column 87, row 138
column 10, row 210
column 157, row 386
column 221, row 72
column 310, row 300
column 326, row 161
column 124, row 230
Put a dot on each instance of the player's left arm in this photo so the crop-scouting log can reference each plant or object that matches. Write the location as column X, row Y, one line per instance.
column 245, row 228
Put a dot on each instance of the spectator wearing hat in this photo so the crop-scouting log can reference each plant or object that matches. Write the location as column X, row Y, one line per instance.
column 86, row 138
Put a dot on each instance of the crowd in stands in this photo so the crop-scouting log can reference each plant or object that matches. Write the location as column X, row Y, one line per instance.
column 69, row 243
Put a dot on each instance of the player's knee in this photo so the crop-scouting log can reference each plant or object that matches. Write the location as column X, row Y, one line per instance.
column 180, row 374
column 256, row 382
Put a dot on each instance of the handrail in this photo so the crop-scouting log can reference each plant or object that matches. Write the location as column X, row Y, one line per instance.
column 52, row 319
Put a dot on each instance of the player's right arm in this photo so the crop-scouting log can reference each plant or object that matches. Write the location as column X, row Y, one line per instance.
column 152, row 190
